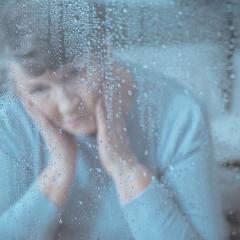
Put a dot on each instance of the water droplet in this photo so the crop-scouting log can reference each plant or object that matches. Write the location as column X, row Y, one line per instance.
column 76, row 18
column 129, row 92
column 186, row 91
column 171, row 168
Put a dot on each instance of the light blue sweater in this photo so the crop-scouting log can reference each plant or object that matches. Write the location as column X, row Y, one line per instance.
column 168, row 132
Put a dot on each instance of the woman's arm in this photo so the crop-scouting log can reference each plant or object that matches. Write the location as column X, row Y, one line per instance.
column 182, row 204
column 32, row 216
column 56, row 179
column 35, row 213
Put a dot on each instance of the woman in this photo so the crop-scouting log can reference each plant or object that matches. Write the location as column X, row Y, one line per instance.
column 93, row 150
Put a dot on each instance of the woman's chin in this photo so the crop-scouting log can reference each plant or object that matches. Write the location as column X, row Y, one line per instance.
column 82, row 129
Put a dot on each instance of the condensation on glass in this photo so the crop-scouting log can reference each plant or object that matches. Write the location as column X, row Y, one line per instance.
column 119, row 119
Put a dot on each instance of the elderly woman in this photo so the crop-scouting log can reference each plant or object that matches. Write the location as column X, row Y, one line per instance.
column 93, row 149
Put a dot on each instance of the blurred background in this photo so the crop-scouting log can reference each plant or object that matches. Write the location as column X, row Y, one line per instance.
column 196, row 42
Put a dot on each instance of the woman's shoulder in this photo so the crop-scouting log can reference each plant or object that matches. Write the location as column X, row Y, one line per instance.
column 11, row 109
column 162, row 105
column 15, row 122
column 183, row 105
column 167, row 96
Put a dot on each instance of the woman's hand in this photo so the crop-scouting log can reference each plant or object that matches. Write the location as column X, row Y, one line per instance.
column 129, row 175
column 61, row 145
column 56, row 178
column 113, row 144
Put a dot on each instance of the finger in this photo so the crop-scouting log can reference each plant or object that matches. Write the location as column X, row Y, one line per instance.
column 49, row 132
column 29, row 107
column 37, row 116
column 101, row 121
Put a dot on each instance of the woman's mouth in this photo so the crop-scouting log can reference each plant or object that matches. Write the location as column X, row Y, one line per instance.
column 73, row 121
column 76, row 121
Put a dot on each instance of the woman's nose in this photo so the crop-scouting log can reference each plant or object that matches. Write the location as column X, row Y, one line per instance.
column 66, row 101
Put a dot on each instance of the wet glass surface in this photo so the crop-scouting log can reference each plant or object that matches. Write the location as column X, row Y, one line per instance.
column 119, row 119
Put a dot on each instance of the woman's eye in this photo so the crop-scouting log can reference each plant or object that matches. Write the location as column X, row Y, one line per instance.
column 39, row 89
column 68, row 80
column 70, row 76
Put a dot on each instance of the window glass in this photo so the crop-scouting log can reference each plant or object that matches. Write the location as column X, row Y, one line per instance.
column 119, row 119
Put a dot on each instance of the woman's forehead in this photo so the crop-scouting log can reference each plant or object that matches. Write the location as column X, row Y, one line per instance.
column 64, row 72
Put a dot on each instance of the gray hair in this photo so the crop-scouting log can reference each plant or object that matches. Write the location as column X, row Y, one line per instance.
column 45, row 34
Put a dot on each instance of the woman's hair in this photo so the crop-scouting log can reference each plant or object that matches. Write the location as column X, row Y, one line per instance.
column 43, row 35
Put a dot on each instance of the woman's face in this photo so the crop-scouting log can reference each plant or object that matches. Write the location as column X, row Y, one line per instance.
column 67, row 97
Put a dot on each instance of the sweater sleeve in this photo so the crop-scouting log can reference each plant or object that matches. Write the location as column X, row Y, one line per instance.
column 31, row 217
column 25, row 213
column 181, row 204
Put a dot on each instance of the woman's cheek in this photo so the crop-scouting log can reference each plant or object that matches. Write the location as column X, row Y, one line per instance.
column 86, row 102
column 40, row 102
column 47, row 107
